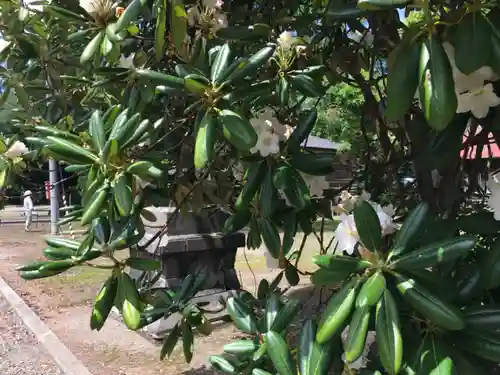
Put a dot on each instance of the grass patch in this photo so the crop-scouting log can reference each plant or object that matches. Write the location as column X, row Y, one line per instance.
column 79, row 277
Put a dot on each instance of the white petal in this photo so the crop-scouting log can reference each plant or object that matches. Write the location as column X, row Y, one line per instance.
column 464, row 102
column 492, row 99
column 16, row 150
column 480, row 107
column 365, row 196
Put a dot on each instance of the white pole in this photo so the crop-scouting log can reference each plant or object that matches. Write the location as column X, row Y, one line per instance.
column 54, row 202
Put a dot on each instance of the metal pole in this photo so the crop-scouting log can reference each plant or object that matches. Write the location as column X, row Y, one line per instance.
column 54, row 197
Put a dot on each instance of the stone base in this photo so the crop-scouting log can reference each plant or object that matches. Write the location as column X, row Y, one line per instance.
column 216, row 312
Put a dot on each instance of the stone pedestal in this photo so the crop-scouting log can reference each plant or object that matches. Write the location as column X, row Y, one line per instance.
column 190, row 243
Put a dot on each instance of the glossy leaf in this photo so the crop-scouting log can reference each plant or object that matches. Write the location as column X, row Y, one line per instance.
column 280, row 354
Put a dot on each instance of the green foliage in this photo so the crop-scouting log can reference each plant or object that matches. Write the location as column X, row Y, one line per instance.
column 165, row 102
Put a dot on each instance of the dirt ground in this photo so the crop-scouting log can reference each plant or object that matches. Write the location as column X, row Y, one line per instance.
column 64, row 304
column 20, row 352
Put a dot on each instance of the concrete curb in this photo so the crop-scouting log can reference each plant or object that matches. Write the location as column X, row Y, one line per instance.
column 61, row 354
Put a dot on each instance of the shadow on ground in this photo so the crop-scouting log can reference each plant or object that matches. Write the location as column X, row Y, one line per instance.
column 204, row 370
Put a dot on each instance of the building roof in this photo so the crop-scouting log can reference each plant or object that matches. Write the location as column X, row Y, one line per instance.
column 487, row 151
column 321, row 143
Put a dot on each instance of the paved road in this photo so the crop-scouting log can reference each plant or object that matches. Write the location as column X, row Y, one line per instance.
column 20, row 351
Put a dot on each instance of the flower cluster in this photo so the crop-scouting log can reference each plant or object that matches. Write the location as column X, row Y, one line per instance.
column 288, row 41
column 270, row 132
column 16, row 150
column 362, row 361
column 317, row 184
column 289, row 48
column 346, row 234
column 101, row 10
column 208, row 15
column 473, row 93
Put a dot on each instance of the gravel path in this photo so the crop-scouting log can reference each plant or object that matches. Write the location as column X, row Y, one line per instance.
column 20, row 351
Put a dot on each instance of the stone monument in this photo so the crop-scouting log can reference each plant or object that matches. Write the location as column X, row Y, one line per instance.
column 191, row 241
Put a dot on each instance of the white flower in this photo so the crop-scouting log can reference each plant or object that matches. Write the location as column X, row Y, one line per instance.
column 221, row 21
column 473, row 81
column 269, row 132
column 286, row 39
column 316, row 184
column 478, row 102
column 126, row 62
column 213, row 3
column 300, row 48
column 344, row 196
column 16, row 150
column 268, row 143
column 493, row 184
column 362, row 361
column 467, row 82
column 385, row 215
column 346, row 234
column 193, row 15
column 99, row 9
column 267, row 121
column 365, row 195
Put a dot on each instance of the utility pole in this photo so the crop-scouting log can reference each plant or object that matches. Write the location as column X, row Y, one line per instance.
column 54, row 196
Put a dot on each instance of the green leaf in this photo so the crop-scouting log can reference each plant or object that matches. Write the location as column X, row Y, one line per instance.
column 438, row 311
column 280, row 354
column 381, row 4
column 122, row 190
column 307, row 86
column 161, row 20
column 437, row 85
column 286, row 315
column 472, row 40
column 436, row 253
column 479, row 223
column 433, row 358
column 313, row 358
column 91, row 48
column 170, row 342
column 258, row 371
column 143, row 264
column 270, row 236
column 326, row 277
column 389, row 340
column 222, row 363
column 306, row 124
column 273, row 306
column 368, row 226
column 221, row 62
column 96, row 129
column 241, row 347
column 410, row 228
column 187, row 341
column 130, row 14
column 178, row 23
column 337, row 311
column 292, row 275
column 356, row 336
column 241, row 315
column 402, row 80
column 238, row 130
